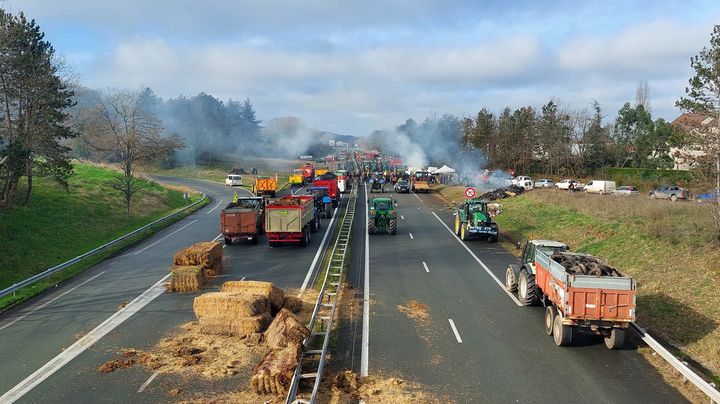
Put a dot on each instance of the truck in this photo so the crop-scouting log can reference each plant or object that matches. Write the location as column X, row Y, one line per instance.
column 578, row 291
column 329, row 181
column 342, row 179
column 242, row 220
column 382, row 216
column 474, row 219
column 265, row 186
column 308, row 173
column 420, row 181
column 321, row 171
column 296, row 178
column 291, row 219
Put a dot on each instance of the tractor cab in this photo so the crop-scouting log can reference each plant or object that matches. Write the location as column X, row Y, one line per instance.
column 323, row 202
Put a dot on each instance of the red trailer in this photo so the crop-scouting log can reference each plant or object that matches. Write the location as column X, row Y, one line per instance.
column 598, row 302
column 329, row 180
column 290, row 219
column 242, row 220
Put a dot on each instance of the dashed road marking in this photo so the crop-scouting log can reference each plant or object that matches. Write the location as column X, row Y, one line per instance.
column 426, row 267
column 455, row 331
column 411, row 236
column 138, row 252
column 147, row 382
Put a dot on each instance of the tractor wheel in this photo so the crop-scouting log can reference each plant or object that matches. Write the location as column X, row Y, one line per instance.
column 616, row 339
column 458, row 223
column 562, row 334
column 510, row 281
column 463, row 232
column 314, row 225
column 550, row 314
column 305, row 238
column 228, row 241
column 256, row 238
column 527, row 291
column 371, row 226
column 382, row 190
column 273, row 244
column 493, row 239
column 392, row 226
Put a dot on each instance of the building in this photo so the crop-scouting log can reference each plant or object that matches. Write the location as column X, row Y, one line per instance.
column 699, row 125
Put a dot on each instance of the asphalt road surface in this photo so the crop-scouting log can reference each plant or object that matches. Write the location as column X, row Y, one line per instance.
column 124, row 296
column 477, row 344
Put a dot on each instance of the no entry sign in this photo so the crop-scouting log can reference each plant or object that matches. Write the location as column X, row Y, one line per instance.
column 469, row 192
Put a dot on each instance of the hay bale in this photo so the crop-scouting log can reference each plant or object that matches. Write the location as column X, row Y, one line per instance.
column 293, row 304
column 275, row 371
column 285, row 330
column 186, row 278
column 240, row 326
column 205, row 253
column 229, row 305
column 274, row 295
column 213, row 270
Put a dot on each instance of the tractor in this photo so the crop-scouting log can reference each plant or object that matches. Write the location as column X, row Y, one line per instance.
column 473, row 218
column 323, row 203
column 377, row 183
column 382, row 216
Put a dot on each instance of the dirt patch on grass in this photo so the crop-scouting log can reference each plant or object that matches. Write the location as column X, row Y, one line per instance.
column 415, row 310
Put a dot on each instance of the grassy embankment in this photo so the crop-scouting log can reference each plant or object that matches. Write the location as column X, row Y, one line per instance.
column 218, row 172
column 58, row 226
column 671, row 249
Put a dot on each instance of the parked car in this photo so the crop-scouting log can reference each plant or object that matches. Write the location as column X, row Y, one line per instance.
column 627, row 190
column 600, row 187
column 565, row 184
column 544, row 183
column 707, row 197
column 672, row 192
column 402, row 186
column 233, row 179
column 525, row 184
column 520, row 179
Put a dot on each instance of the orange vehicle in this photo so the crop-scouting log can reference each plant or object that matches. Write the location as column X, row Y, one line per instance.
column 265, row 186
column 578, row 291
column 243, row 220
column 420, row 181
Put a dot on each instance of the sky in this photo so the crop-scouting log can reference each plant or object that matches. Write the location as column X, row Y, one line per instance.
column 355, row 66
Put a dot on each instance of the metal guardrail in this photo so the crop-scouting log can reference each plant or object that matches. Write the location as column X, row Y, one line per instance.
column 50, row 271
column 693, row 377
column 332, row 283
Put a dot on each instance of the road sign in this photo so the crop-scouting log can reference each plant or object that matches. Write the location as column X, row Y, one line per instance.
column 469, row 192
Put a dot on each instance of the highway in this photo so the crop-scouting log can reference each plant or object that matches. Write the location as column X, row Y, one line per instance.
column 477, row 345
column 35, row 336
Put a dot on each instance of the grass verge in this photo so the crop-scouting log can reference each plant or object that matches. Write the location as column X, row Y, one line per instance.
column 57, row 226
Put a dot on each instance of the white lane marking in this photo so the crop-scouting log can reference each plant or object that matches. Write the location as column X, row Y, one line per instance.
column 48, row 302
column 402, row 217
column 417, row 197
column 426, row 267
column 148, row 381
column 138, row 252
column 482, row 264
column 218, row 237
column 411, row 236
column 215, row 207
column 224, row 245
column 84, row 343
column 364, row 358
column 455, row 331
column 243, row 278
column 317, row 254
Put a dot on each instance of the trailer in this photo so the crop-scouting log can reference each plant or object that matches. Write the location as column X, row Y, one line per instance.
column 420, row 181
column 265, row 186
column 242, row 220
column 291, row 219
column 602, row 303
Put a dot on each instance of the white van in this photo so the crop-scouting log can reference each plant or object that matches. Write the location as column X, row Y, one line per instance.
column 233, row 179
column 600, row 187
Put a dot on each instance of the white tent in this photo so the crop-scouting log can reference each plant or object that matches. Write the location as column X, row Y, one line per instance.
column 444, row 170
column 432, row 170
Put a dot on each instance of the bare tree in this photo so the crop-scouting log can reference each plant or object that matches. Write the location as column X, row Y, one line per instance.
column 642, row 95
column 122, row 127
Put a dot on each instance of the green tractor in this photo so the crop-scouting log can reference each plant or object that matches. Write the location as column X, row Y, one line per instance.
column 382, row 216
column 474, row 219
